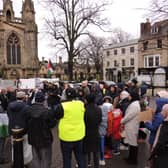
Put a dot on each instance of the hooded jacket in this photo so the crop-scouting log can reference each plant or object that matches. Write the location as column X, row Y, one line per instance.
column 157, row 119
column 17, row 115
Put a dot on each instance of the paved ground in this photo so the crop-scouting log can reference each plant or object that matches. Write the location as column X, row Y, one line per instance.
column 115, row 162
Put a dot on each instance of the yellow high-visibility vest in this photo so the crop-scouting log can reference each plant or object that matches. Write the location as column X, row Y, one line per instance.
column 72, row 127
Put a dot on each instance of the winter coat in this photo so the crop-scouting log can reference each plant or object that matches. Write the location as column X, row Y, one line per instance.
column 39, row 123
column 93, row 117
column 157, row 119
column 17, row 115
column 131, row 123
column 106, row 107
column 160, row 152
column 117, row 116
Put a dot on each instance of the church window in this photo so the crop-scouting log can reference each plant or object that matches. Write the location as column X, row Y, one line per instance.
column 13, row 50
column 8, row 15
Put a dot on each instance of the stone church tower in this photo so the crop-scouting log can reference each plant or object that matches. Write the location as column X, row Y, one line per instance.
column 18, row 42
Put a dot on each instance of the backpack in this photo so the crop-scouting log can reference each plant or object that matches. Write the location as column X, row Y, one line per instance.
column 39, row 133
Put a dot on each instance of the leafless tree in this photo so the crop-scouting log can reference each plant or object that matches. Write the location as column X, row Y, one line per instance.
column 92, row 53
column 118, row 36
column 158, row 9
column 69, row 20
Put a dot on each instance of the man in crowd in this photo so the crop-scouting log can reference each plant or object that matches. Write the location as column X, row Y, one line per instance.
column 71, row 128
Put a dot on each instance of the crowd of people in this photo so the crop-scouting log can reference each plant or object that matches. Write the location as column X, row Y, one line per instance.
column 93, row 122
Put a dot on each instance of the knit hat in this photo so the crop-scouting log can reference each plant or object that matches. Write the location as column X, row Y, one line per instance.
column 124, row 94
column 39, row 97
column 107, row 98
column 20, row 94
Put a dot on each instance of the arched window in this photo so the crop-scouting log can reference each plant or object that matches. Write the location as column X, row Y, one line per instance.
column 13, row 50
column 8, row 15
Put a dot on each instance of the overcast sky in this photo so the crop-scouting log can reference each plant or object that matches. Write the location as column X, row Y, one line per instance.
column 122, row 13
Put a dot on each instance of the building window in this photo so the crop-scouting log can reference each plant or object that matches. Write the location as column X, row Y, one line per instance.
column 108, row 53
column 159, row 43
column 115, row 52
column 123, row 62
column 123, row 50
column 132, row 49
column 115, row 63
column 108, row 63
column 154, row 30
column 157, row 61
column 145, row 45
column 13, row 50
column 151, row 61
column 132, row 61
column 8, row 15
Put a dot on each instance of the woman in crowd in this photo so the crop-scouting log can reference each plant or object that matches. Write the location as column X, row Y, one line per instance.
column 131, row 126
column 93, row 117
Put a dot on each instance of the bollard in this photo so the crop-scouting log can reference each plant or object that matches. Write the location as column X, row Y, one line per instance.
column 18, row 160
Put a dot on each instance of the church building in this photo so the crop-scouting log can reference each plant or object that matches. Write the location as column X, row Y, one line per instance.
column 18, row 42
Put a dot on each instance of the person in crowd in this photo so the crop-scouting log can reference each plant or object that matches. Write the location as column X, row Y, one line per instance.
column 93, row 117
column 3, row 134
column 80, row 95
column 106, row 107
column 116, row 133
column 156, row 120
column 102, row 88
column 53, row 97
column 131, row 126
column 17, row 112
column 133, row 86
column 123, row 102
column 95, row 89
column 143, row 89
column 4, row 99
column 113, row 93
column 63, row 96
column 160, row 147
column 17, row 116
column 71, row 128
column 85, row 88
column 39, row 132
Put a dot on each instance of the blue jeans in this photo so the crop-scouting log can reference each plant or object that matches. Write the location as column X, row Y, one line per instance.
column 102, row 148
column 67, row 148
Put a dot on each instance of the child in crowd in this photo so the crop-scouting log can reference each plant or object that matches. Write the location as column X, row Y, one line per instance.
column 106, row 107
column 116, row 132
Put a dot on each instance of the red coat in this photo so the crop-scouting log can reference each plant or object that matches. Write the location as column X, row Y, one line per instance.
column 117, row 116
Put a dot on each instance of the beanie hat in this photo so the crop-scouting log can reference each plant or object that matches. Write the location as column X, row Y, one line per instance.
column 39, row 97
column 124, row 94
column 20, row 94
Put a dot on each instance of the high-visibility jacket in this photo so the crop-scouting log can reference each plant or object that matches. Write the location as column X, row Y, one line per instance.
column 71, row 126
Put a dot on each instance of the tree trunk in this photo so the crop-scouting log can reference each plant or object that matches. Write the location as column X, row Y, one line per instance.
column 70, row 69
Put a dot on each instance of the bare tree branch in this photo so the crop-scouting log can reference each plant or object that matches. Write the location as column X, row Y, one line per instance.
column 69, row 20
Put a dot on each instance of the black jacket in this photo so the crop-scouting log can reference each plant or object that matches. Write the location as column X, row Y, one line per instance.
column 40, row 122
column 93, row 117
column 17, row 115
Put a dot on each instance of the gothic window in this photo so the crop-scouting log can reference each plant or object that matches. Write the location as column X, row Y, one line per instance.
column 13, row 50
column 8, row 15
